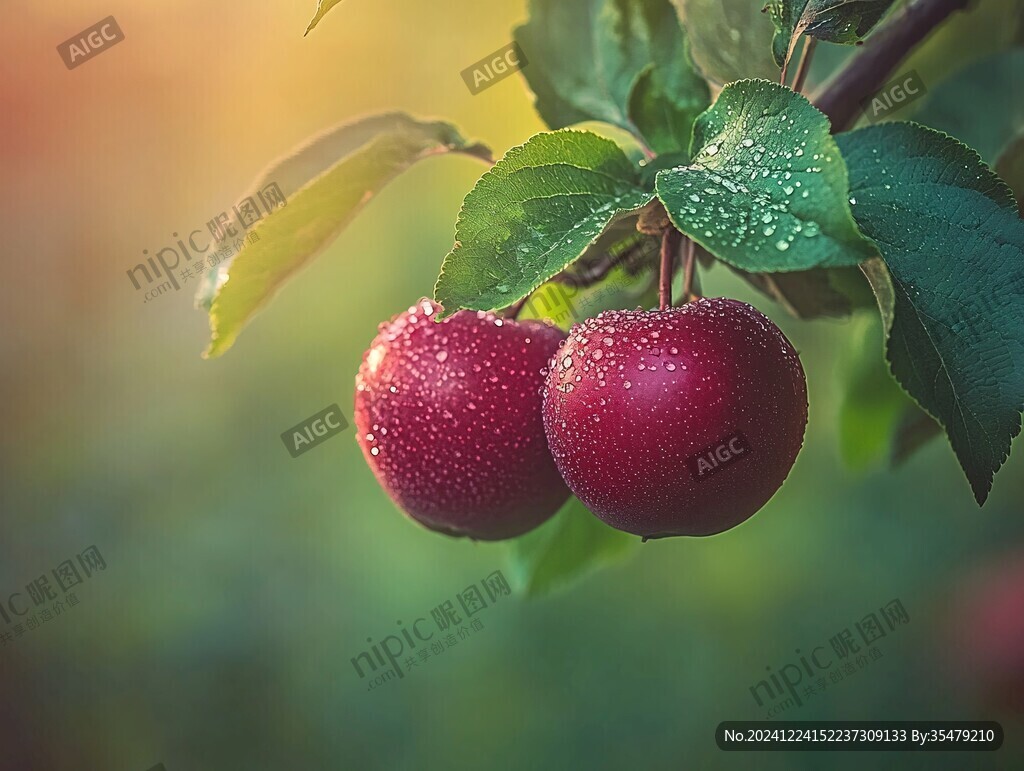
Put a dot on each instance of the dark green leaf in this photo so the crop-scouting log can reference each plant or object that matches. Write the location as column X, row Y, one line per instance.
column 570, row 545
column 538, row 210
column 665, row 122
column 624, row 62
column 766, row 189
column 327, row 182
column 953, row 242
column 837, row 21
column 728, row 39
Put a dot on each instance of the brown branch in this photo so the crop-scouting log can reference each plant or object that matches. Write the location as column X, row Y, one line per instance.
column 841, row 98
column 804, row 65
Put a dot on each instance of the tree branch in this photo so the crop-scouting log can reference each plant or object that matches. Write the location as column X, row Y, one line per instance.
column 841, row 98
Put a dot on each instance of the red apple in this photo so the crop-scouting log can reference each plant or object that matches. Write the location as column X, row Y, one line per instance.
column 449, row 419
column 676, row 422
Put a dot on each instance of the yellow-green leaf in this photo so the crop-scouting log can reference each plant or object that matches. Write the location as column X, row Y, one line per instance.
column 326, row 183
column 321, row 10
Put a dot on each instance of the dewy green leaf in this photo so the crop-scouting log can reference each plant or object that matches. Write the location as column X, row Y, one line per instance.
column 728, row 39
column 311, row 158
column 766, row 189
column 623, row 62
column 573, row 543
column 326, row 183
column 951, row 237
column 837, row 21
column 537, row 211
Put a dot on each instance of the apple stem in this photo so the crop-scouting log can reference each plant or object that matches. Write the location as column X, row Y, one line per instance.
column 688, row 270
column 804, row 65
column 669, row 248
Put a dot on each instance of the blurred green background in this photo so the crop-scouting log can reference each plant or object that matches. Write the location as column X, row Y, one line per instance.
column 240, row 582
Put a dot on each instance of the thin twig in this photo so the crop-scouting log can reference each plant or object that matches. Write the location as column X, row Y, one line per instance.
column 669, row 248
column 804, row 65
column 591, row 274
column 789, row 54
column 841, row 98
column 629, row 258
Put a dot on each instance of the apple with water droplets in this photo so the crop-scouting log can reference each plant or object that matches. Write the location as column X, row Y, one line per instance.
column 449, row 419
column 683, row 421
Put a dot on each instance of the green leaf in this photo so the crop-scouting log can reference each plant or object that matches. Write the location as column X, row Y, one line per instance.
column 953, row 242
column 567, row 547
column 534, row 213
column 623, row 62
column 977, row 105
column 664, row 119
column 766, row 189
column 326, row 182
column 323, row 6
column 837, row 21
column 728, row 39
